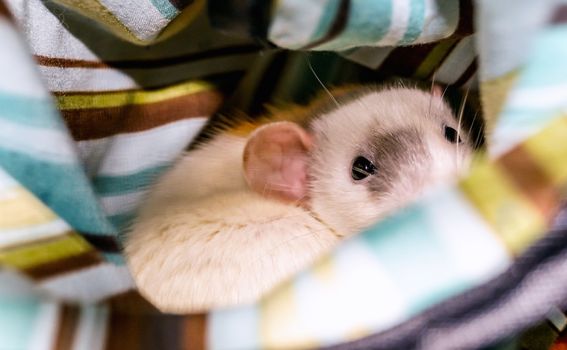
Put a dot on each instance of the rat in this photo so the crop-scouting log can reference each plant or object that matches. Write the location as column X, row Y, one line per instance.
column 262, row 199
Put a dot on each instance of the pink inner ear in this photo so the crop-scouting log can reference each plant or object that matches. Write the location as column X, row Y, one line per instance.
column 275, row 161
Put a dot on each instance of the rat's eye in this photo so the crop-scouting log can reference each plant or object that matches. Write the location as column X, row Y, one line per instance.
column 362, row 168
column 451, row 134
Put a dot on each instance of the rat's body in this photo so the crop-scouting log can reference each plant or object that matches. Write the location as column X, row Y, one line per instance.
column 262, row 200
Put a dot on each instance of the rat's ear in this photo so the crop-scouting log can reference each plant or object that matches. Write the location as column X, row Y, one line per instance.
column 275, row 160
column 437, row 90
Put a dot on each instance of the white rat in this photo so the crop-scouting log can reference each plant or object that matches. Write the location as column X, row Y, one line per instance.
column 262, row 200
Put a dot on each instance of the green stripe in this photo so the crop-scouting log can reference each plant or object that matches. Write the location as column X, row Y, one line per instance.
column 35, row 112
column 415, row 23
column 115, row 185
column 165, row 8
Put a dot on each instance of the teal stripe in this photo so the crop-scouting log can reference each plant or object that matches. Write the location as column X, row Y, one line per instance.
column 115, row 258
column 62, row 187
column 414, row 258
column 368, row 21
column 325, row 21
column 122, row 221
column 35, row 112
column 415, row 23
column 17, row 321
column 546, row 66
column 115, row 185
column 165, row 8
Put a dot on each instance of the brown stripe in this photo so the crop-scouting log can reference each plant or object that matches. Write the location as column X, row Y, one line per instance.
column 466, row 23
column 147, row 63
column 560, row 14
column 65, row 265
column 107, row 244
column 194, row 332
column 67, row 327
column 404, row 61
column 4, row 11
column 131, row 302
column 94, row 123
column 125, row 331
column 337, row 27
column 467, row 74
column 523, row 171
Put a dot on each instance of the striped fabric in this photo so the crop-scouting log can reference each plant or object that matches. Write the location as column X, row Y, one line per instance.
column 88, row 121
column 139, row 21
column 329, row 25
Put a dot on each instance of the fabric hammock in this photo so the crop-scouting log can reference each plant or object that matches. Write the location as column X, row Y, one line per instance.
column 99, row 97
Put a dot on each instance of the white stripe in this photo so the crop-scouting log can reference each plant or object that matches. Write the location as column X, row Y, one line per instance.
column 438, row 22
column 127, row 154
column 16, row 286
column 401, row 10
column 457, row 62
column 235, row 328
column 91, row 328
column 541, row 97
column 371, row 57
column 114, row 205
column 319, row 300
column 44, row 331
column 79, row 287
column 475, row 250
column 17, row 68
column 32, row 233
column 101, row 79
column 7, row 183
column 506, row 138
column 296, row 14
column 140, row 17
column 47, row 144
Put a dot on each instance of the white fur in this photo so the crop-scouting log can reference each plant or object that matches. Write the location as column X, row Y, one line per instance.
column 221, row 250
column 338, row 136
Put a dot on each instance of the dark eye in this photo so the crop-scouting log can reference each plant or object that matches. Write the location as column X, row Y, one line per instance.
column 451, row 135
column 362, row 168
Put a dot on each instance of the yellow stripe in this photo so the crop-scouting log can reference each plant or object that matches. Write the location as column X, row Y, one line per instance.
column 279, row 328
column 116, row 99
column 95, row 10
column 20, row 209
column 182, row 20
column 515, row 220
column 493, row 95
column 324, row 270
column 549, row 149
column 44, row 252
column 432, row 60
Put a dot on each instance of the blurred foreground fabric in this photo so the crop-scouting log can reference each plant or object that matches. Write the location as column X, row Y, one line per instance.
column 98, row 98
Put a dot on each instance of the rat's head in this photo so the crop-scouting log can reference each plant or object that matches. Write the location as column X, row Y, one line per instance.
column 354, row 163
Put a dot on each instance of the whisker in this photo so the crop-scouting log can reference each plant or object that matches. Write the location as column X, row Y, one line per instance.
column 460, row 119
column 320, row 82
